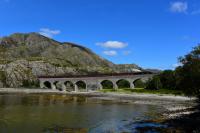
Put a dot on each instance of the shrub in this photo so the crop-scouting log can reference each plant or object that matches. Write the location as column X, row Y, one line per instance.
column 3, row 78
column 154, row 83
column 188, row 75
column 107, row 84
column 139, row 84
column 123, row 84
column 168, row 79
column 30, row 84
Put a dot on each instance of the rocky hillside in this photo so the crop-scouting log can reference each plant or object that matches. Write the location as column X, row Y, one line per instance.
column 128, row 68
column 23, row 57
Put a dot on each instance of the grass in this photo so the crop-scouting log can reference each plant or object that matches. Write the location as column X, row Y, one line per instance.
column 142, row 90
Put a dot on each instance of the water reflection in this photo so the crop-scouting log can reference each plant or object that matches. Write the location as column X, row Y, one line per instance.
column 41, row 100
column 70, row 114
column 59, row 129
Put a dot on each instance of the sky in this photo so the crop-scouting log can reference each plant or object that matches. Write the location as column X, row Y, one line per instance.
column 150, row 33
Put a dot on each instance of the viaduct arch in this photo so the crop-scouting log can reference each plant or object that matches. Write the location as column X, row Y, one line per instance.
column 90, row 82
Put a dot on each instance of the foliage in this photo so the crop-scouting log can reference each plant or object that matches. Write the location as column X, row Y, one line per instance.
column 30, row 84
column 81, row 85
column 185, row 77
column 142, row 90
column 123, row 84
column 107, row 84
column 168, row 79
column 35, row 59
column 188, row 75
column 154, row 83
column 2, row 55
column 139, row 84
column 164, row 80
column 3, row 78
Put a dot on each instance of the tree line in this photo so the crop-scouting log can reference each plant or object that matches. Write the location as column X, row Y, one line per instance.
column 185, row 77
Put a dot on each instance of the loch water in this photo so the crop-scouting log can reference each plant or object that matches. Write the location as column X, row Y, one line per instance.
column 36, row 113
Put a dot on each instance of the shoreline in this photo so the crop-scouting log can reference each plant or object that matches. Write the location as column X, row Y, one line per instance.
column 111, row 95
column 176, row 106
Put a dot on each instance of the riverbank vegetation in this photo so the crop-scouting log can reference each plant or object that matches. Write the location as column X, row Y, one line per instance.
column 183, row 80
column 186, row 77
column 142, row 90
column 30, row 84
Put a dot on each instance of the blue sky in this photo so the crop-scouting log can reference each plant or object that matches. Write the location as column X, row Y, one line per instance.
column 150, row 33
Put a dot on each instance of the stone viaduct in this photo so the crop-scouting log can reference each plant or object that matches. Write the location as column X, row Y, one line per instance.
column 90, row 82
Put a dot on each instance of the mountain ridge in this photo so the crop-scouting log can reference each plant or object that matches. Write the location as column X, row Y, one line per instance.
column 24, row 56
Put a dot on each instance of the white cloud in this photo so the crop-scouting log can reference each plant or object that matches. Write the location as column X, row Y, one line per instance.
column 127, row 52
column 48, row 32
column 110, row 53
column 113, row 44
column 176, row 65
column 179, row 7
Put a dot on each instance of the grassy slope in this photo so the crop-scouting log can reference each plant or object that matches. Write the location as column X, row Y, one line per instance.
column 142, row 90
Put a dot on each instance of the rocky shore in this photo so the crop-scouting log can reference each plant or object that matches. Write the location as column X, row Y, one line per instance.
column 99, row 94
column 180, row 110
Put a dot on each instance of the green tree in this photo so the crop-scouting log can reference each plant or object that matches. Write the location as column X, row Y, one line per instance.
column 154, row 83
column 188, row 75
column 168, row 79
column 139, row 84
column 123, row 84
column 30, row 84
column 106, row 84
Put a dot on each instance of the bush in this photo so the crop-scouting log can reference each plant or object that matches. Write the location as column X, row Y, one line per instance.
column 3, row 78
column 188, row 75
column 123, row 84
column 139, row 84
column 168, row 79
column 154, row 83
column 107, row 84
column 30, row 84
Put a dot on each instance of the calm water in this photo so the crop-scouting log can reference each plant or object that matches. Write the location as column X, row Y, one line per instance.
column 61, row 113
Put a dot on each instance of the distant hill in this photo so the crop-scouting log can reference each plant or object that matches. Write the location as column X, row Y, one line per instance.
column 153, row 70
column 128, row 68
column 25, row 56
column 34, row 46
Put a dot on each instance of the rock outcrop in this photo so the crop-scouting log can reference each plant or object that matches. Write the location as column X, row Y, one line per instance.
column 23, row 57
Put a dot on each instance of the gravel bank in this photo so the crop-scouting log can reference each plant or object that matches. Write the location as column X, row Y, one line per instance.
column 98, row 94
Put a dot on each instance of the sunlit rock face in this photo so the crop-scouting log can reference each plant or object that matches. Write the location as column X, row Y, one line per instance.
column 26, row 56
column 126, row 68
